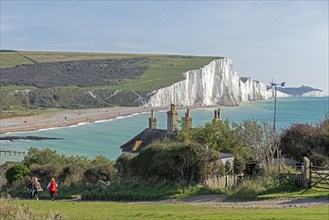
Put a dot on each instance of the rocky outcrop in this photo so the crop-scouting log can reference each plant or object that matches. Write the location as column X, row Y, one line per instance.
column 13, row 138
column 215, row 83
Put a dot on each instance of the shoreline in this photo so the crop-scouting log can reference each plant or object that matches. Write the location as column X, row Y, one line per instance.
column 65, row 118
column 72, row 117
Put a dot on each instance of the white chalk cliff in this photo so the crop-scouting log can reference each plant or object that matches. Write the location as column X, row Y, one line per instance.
column 316, row 93
column 215, row 83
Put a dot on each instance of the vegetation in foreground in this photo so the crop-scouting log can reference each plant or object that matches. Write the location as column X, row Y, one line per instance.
column 173, row 168
column 167, row 170
column 115, row 210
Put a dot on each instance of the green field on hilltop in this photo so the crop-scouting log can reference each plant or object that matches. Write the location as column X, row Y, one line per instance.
column 117, row 210
column 162, row 70
column 74, row 80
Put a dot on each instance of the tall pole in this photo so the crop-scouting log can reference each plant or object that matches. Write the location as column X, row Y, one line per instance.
column 275, row 95
column 274, row 108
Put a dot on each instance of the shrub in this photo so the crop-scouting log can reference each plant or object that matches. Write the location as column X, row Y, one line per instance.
column 45, row 172
column 175, row 161
column 41, row 157
column 300, row 140
column 16, row 172
column 124, row 165
column 147, row 190
column 250, row 189
column 71, row 174
column 10, row 210
column 104, row 172
column 239, row 164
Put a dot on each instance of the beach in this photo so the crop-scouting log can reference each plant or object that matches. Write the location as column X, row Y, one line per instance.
column 75, row 116
column 67, row 118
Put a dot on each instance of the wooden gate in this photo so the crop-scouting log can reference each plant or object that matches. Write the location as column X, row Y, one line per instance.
column 319, row 177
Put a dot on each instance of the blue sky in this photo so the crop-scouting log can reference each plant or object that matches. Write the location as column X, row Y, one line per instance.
column 284, row 40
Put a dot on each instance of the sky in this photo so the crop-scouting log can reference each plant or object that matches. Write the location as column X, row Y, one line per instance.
column 286, row 41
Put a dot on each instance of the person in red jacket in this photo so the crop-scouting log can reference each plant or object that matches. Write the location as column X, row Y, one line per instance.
column 53, row 188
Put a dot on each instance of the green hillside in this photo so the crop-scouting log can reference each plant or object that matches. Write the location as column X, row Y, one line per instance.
column 84, row 80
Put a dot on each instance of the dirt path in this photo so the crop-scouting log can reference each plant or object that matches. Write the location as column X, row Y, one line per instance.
column 220, row 201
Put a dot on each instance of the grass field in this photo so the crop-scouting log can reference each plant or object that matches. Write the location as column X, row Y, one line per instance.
column 115, row 210
column 163, row 70
column 313, row 192
column 130, row 76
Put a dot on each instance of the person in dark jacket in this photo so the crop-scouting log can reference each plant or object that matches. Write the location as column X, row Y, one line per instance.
column 34, row 188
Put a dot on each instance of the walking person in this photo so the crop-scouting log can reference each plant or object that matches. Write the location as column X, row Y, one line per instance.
column 34, row 188
column 53, row 188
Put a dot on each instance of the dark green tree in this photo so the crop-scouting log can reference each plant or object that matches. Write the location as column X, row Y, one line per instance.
column 43, row 156
column 16, row 172
column 218, row 136
column 305, row 140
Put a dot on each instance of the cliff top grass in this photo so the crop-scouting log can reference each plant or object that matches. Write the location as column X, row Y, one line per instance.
column 162, row 70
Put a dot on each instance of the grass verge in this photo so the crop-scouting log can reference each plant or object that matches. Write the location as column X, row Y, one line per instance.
column 146, row 191
column 116, row 210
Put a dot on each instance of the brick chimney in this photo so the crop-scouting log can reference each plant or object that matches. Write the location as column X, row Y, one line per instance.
column 152, row 121
column 217, row 116
column 172, row 119
column 187, row 120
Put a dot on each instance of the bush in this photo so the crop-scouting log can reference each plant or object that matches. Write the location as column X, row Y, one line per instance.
column 146, row 191
column 42, row 157
column 174, row 161
column 45, row 172
column 10, row 210
column 250, row 189
column 71, row 174
column 305, row 140
column 124, row 166
column 103, row 172
column 16, row 172
column 239, row 164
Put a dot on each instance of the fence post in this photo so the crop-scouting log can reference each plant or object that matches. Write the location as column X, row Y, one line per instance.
column 306, row 172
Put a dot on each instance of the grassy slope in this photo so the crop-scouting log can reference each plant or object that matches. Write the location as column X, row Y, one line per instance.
column 114, row 210
column 163, row 70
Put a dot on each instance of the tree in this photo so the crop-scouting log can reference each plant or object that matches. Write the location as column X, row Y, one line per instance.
column 305, row 140
column 260, row 141
column 44, row 156
column 218, row 136
column 16, row 172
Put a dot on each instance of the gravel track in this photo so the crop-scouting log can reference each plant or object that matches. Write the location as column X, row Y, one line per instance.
column 221, row 201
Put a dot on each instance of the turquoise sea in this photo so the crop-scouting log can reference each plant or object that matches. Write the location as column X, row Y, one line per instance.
column 105, row 137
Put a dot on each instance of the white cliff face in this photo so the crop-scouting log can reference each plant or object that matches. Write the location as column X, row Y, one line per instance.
column 270, row 94
column 215, row 83
column 316, row 93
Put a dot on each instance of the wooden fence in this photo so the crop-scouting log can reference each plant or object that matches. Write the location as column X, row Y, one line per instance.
column 309, row 177
column 226, row 181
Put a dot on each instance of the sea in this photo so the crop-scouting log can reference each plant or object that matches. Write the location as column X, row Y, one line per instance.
column 105, row 137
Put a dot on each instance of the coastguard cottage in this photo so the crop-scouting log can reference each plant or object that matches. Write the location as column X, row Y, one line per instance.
column 152, row 133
